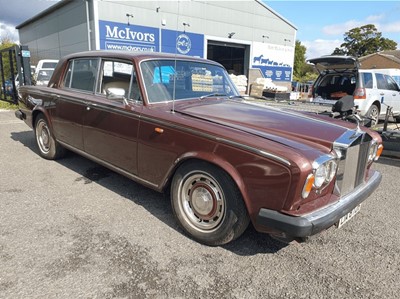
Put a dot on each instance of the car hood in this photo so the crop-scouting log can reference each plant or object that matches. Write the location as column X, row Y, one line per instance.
column 297, row 130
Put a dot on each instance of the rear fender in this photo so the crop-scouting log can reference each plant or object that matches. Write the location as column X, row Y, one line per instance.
column 40, row 110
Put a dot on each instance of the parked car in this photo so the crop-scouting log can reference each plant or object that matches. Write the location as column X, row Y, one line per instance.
column 177, row 124
column 372, row 89
column 8, row 88
column 44, row 76
column 46, row 64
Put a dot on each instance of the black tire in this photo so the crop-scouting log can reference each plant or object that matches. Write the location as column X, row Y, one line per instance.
column 207, row 204
column 49, row 148
column 373, row 114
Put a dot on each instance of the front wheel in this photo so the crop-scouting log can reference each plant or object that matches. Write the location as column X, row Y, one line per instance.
column 49, row 148
column 207, row 203
column 373, row 114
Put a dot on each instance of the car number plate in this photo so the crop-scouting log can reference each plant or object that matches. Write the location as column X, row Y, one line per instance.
column 348, row 216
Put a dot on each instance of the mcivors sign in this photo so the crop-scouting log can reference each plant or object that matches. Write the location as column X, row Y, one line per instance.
column 123, row 37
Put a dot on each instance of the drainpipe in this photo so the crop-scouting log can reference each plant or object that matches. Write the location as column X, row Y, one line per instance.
column 88, row 24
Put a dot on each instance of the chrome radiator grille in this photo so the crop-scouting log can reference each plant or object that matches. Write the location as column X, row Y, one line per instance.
column 352, row 149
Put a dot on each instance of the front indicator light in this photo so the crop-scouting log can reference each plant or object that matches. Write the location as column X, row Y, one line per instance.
column 378, row 152
column 308, row 185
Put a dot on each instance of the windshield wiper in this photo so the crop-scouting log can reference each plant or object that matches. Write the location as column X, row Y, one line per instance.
column 213, row 95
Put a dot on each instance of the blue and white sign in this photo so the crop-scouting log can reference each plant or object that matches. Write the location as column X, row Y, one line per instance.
column 274, row 61
column 186, row 43
column 123, row 37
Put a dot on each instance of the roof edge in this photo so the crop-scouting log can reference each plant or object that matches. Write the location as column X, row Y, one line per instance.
column 277, row 14
column 44, row 13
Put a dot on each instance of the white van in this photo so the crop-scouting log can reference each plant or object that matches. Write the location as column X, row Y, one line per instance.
column 372, row 89
column 46, row 64
column 44, row 70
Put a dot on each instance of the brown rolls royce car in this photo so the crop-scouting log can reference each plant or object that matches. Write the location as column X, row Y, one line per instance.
column 176, row 123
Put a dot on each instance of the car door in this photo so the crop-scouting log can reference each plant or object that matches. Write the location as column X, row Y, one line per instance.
column 386, row 95
column 71, row 98
column 393, row 93
column 111, row 119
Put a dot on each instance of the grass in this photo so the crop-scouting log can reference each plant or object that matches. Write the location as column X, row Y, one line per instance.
column 8, row 105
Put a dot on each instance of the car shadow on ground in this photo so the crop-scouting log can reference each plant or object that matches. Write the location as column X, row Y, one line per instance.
column 250, row 243
column 391, row 161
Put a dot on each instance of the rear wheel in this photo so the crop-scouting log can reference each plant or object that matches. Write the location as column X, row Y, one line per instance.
column 373, row 114
column 49, row 148
column 207, row 203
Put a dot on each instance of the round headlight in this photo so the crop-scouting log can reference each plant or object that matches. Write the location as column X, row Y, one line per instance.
column 372, row 152
column 332, row 166
column 321, row 174
column 325, row 173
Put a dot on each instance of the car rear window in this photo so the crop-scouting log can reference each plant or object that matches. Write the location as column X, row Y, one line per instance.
column 49, row 65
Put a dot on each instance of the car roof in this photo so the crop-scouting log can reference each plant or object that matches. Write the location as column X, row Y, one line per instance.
column 335, row 63
column 139, row 56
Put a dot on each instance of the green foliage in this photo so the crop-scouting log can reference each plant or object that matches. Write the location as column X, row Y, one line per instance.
column 364, row 40
column 7, row 106
column 4, row 44
column 299, row 59
column 302, row 72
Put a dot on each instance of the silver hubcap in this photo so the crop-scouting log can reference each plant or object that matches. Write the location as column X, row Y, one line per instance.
column 374, row 115
column 43, row 136
column 201, row 201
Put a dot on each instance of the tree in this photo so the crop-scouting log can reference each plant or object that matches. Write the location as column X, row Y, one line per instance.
column 364, row 40
column 5, row 42
column 299, row 59
column 302, row 71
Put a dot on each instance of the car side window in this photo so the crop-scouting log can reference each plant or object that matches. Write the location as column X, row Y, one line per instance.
column 381, row 81
column 392, row 85
column 118, row 79
column 81, row 74
column 367, row 80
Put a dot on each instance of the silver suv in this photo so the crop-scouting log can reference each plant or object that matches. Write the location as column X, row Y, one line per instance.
column 341, row 76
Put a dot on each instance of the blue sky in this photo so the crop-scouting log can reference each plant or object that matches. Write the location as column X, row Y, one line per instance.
column 321, row 24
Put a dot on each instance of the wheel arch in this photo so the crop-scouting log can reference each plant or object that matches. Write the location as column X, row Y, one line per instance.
column 377, row 104
column 212, row 159
column 38, row 111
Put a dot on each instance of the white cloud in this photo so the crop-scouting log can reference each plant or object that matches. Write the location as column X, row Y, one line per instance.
column 320, row 47
column 340, row 29
column 8, row 31
column 390, row 27
column 375, row 18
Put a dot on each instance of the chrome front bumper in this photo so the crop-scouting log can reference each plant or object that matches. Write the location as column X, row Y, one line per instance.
column 313, row 223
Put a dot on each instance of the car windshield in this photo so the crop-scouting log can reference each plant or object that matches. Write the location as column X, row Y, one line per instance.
column 44, row 75
column 166, row 80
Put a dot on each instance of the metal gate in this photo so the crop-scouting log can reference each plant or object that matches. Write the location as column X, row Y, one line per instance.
column 15, row 70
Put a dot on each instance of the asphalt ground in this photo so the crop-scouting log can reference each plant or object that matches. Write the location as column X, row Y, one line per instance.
column 73, row 229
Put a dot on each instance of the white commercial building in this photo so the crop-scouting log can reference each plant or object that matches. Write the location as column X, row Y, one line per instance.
column 238, row 34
